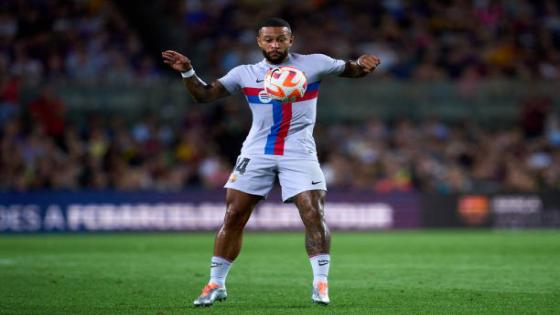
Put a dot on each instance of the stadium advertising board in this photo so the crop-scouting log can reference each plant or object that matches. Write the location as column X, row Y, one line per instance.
column 192, row 211
column 498, row 210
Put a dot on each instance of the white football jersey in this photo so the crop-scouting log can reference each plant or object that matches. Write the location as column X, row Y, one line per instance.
column 283, row 129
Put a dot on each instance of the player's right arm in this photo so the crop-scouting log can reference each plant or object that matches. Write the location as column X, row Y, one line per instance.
column 200, row 90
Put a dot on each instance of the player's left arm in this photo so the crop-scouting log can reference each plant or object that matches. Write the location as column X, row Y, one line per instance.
column 360, row 67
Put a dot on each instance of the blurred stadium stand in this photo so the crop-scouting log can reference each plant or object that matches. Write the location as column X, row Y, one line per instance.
column 466, row 99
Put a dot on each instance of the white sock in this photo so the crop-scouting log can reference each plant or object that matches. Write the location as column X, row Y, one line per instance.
column 219, row 268
column 320, row 265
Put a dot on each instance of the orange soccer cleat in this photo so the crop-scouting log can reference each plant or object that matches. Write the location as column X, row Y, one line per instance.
column 211, row 292
column 321, row 293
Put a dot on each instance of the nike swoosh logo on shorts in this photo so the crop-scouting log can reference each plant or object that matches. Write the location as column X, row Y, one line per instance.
column 315, row 183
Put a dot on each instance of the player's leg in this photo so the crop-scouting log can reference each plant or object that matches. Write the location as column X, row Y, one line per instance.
column 317, row 240
column 227, row 244
column 303, row 183
column 250, row 181
column 239, row 206
column 310, row 205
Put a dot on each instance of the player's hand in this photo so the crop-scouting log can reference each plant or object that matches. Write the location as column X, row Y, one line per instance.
column 176, row 60
column 368, row 62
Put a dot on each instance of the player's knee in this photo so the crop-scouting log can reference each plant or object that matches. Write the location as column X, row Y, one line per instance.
column 235, row 218
column 310, row 210
column 311, row 213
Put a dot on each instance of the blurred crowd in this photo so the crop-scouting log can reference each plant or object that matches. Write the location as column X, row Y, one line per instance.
column 434, row 39
column 425, row 40
column 433, row 156
column 40, row 150
column 47, row 40
column 53, row 41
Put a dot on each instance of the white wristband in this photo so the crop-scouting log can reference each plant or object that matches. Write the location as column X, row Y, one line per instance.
column 188, row 74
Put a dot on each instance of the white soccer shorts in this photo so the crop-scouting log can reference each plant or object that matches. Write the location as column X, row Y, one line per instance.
column 255, row 175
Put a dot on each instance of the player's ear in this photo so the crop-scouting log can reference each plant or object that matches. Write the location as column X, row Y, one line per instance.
column 259, row 40
column 292, row 39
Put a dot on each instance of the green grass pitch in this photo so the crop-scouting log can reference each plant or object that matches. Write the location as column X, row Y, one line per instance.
column 406, row 272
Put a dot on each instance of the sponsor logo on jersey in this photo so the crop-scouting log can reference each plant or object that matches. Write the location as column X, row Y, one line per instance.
column 264, row 97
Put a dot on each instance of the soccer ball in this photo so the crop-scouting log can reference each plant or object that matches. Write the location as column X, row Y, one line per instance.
column 285, row 84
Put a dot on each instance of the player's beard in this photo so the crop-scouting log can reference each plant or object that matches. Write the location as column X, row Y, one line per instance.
column 279, row 58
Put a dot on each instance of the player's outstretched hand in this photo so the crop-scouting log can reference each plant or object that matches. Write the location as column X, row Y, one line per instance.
column 176, row 60
column 368, row 62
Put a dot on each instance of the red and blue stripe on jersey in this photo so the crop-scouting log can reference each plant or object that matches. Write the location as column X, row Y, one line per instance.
column 282, row 116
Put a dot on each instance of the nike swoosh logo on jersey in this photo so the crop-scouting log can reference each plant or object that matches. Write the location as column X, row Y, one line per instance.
column 315, row 183
column 259, row 81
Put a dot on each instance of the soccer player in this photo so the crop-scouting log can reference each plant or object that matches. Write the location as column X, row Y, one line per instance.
column 280, row 143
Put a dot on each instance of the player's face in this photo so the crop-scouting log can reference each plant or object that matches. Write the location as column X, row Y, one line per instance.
column 275, row 43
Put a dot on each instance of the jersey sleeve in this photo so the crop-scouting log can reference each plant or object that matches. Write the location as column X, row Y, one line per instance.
column 232, row 80
column 329, row 66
